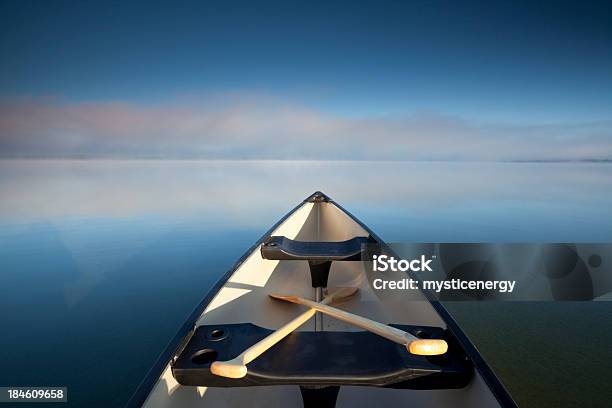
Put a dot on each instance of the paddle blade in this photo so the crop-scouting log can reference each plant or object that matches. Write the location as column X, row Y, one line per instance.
column 228, row 369
column 428, row 347
column 292, row 299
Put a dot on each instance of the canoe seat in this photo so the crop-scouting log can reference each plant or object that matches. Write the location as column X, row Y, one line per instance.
column 321, row 359
column 319, row 255
column 283, row 248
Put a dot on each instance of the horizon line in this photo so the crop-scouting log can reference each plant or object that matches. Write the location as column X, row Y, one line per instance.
column 227, row 159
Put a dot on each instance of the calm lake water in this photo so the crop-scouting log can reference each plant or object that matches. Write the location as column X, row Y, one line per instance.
column 102, row 261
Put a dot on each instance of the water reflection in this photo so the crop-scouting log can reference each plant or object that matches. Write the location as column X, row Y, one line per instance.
column 421, row 202
column 102, row 260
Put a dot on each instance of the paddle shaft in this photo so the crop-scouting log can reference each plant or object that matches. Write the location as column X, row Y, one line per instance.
column 258, row 348
column 388, row 332
column 236, row 368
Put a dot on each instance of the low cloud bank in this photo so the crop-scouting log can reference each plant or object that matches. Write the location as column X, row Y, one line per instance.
column 271, row 129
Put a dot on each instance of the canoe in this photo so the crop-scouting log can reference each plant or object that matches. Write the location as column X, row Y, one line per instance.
column 325, row 362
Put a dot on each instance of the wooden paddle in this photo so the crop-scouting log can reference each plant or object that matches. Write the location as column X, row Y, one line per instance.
column 236, row 368
column 423, row 347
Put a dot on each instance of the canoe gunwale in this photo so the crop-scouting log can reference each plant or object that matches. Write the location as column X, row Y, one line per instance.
column 488, row 375
column 145, row 387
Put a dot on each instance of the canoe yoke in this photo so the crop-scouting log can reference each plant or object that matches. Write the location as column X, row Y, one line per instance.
column 321, row 359
column 319, row 255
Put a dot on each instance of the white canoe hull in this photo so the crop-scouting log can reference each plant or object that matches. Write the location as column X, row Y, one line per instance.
column 242, row 296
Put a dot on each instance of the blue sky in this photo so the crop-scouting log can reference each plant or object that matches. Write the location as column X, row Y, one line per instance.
column 485, row 65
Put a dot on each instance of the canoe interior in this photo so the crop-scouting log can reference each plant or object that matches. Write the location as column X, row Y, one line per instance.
column 244, row 299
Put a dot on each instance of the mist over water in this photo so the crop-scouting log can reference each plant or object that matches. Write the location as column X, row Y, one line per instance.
column 407, row 201
column 103, row 260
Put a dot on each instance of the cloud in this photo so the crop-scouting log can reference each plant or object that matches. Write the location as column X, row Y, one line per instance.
column 266, row 128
